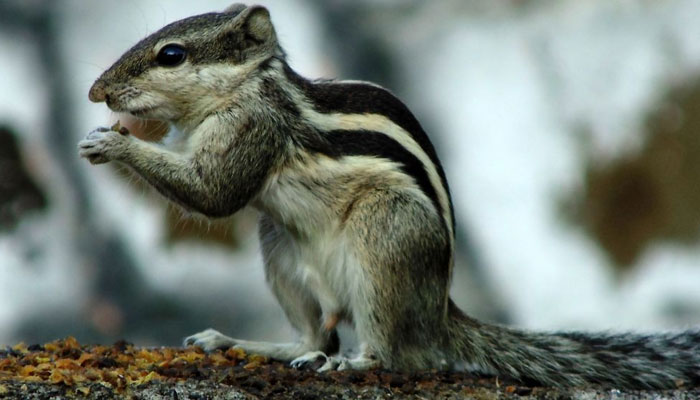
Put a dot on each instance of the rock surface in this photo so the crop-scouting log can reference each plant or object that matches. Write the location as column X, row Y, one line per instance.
column 65, row 369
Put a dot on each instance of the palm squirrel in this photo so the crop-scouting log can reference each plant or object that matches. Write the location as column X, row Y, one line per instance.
column 356, row 218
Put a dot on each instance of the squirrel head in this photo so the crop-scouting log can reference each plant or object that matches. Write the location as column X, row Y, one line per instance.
column 190, row 67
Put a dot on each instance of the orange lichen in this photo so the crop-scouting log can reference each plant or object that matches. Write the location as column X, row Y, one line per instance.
column 66, row 362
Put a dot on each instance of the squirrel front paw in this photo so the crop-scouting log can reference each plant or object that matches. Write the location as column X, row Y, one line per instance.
column 103, row 145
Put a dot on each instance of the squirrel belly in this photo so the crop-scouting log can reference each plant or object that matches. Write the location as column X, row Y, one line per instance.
column 356, row 223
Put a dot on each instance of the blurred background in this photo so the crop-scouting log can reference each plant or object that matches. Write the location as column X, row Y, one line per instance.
column 569, row 131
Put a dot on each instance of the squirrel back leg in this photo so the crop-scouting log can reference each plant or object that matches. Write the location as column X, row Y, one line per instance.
column 399, row 291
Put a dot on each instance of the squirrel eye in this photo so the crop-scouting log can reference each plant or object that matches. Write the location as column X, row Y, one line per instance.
column 171, row 55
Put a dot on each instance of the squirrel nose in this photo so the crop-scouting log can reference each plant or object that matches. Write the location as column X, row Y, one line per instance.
column 97, row 92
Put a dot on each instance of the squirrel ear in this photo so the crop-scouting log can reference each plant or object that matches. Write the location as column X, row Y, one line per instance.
column 251, row 27
column 257, row 24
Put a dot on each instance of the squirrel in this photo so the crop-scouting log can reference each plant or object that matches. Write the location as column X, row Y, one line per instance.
column 356, row 220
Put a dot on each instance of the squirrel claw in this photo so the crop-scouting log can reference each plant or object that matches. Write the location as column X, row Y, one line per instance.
column 309, row 360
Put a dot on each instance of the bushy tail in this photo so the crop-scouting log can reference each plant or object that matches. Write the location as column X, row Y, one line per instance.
column 629, row 361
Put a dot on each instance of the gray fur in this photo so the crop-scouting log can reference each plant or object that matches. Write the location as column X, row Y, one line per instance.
column 346, row 236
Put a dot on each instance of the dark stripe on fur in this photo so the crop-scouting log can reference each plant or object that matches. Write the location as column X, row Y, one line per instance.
column 368, row 143
column 357, row 98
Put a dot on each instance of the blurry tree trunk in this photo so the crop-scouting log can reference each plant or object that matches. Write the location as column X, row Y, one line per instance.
column 116, row 276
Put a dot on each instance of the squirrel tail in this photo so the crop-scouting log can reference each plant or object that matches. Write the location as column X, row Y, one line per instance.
column 565, row 359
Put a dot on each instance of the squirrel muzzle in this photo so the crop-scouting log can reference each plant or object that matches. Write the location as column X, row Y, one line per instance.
column 97, row 92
